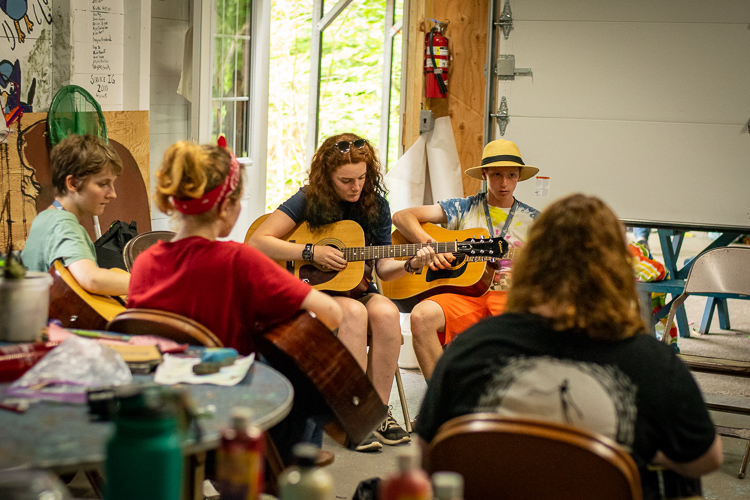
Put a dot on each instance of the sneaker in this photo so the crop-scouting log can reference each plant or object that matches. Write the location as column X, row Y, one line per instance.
column 390, row 432
column 370, row 443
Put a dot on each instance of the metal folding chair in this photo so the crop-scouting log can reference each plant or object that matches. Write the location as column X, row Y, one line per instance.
column 722, row 273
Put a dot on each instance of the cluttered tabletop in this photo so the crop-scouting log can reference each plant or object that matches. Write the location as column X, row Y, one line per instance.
column 57, row 414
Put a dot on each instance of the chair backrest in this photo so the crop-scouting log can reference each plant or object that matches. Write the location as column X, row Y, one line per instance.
column 517, row 458
column 140, row 243
column 724, row 270
column 163, row 324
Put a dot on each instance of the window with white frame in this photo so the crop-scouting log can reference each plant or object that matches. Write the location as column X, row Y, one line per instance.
column 230, row 74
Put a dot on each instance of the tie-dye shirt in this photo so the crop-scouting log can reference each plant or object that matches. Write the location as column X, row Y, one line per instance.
column 466, row 213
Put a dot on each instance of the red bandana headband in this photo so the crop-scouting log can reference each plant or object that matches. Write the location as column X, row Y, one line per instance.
column 210, row 199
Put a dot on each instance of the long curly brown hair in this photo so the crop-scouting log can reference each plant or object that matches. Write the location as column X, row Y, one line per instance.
column 324, row 205
column 575, row 263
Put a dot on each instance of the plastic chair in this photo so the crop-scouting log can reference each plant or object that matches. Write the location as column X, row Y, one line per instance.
column 722, row 273
column 141, row 242
column 501, row 457
column 163, row 324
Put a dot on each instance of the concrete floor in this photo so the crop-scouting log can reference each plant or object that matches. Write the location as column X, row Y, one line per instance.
column 351, row 467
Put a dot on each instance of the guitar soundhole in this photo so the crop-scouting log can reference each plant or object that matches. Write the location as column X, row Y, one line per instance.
column 314, row 276
column 458, row 268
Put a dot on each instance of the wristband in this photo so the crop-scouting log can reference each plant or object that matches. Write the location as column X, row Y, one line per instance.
column 408, row 268
column 308, row 252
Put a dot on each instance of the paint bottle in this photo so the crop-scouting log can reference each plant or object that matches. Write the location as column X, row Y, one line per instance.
column 239, row 459
column 304, row 480
column 448, row 486
column 144, row 459
column 410, row 482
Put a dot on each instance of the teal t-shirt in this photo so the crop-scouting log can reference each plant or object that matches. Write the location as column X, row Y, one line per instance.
column 56, row 234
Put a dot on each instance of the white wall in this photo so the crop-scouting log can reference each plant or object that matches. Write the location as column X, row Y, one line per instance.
column 169, row 111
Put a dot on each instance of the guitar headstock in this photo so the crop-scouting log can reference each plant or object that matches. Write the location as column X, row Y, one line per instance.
column 483, row 247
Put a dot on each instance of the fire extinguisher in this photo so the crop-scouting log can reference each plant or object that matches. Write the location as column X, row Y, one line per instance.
column 436, row 62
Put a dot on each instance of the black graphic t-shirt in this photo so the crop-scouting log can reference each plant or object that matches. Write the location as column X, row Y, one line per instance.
column 635, row 391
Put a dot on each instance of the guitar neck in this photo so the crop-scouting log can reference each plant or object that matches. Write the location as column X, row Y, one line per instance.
column 353, row 254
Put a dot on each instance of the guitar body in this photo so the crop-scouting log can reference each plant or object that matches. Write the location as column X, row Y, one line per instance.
column 464, row 277
column 340, row 234
column 77, row 308
column 326, row 378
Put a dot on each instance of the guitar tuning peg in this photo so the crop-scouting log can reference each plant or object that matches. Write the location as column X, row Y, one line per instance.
column 473, row 252
column 481, row 237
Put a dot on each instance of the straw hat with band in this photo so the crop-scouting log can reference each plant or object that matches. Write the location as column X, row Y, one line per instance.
column 502, row 153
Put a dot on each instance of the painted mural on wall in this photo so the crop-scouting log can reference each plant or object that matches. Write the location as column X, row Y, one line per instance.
column 25, row 56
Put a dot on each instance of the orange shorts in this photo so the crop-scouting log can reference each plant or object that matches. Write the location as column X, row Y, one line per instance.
column 462, row 311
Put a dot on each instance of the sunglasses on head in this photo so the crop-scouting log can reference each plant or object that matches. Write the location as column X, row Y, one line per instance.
column 343, row 146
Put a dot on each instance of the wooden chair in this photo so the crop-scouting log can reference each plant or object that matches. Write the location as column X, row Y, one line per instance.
column 163, row 324
column 140, row 243
column 518, row 458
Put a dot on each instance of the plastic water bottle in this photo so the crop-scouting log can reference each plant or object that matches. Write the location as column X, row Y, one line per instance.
column 144, row 460
column 448, row 486
column 239, row 459
column 304, row 480
column 410, row 483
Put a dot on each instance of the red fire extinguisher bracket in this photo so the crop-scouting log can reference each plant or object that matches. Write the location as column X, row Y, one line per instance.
column 436, row 63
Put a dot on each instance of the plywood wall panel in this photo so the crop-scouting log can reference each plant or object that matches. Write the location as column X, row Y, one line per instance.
column 25, row 174
column 467, row 33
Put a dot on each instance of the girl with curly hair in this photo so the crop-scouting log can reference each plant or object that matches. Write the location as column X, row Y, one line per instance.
column 345, row 183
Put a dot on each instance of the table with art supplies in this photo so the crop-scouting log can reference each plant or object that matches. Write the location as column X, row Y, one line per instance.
column 66, row 432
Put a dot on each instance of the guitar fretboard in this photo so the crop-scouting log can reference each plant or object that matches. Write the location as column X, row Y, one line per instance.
column 352, row 254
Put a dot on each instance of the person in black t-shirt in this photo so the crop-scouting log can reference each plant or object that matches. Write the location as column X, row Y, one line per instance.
column 572, row 348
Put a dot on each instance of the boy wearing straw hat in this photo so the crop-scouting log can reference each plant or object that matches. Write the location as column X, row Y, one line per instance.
column 498, row 211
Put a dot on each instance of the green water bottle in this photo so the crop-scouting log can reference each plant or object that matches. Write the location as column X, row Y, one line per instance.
column 144, row 460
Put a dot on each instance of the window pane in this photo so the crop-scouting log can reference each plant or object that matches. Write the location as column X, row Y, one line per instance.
column 351, row 75
column 241, row 124
column 231, row 73
column 219, row 84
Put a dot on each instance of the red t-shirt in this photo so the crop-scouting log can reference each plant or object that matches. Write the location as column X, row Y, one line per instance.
column 230, row 288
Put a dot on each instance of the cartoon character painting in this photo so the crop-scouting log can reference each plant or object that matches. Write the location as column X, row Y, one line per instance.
column 10, row 92
column 17, row 10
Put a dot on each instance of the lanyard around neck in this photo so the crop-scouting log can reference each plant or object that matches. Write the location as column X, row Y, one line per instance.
column 57, row 205
column 508, row 219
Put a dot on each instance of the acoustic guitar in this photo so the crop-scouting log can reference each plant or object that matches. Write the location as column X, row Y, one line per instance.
column 469, row 274
column 76, row 307
column 327, row 379
column 348, row 237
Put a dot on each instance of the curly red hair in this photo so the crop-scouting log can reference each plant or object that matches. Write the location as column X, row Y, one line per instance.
column 575, row 265
column 323, row 204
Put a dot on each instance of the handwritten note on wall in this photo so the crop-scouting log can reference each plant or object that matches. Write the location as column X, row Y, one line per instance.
column 98, row 43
